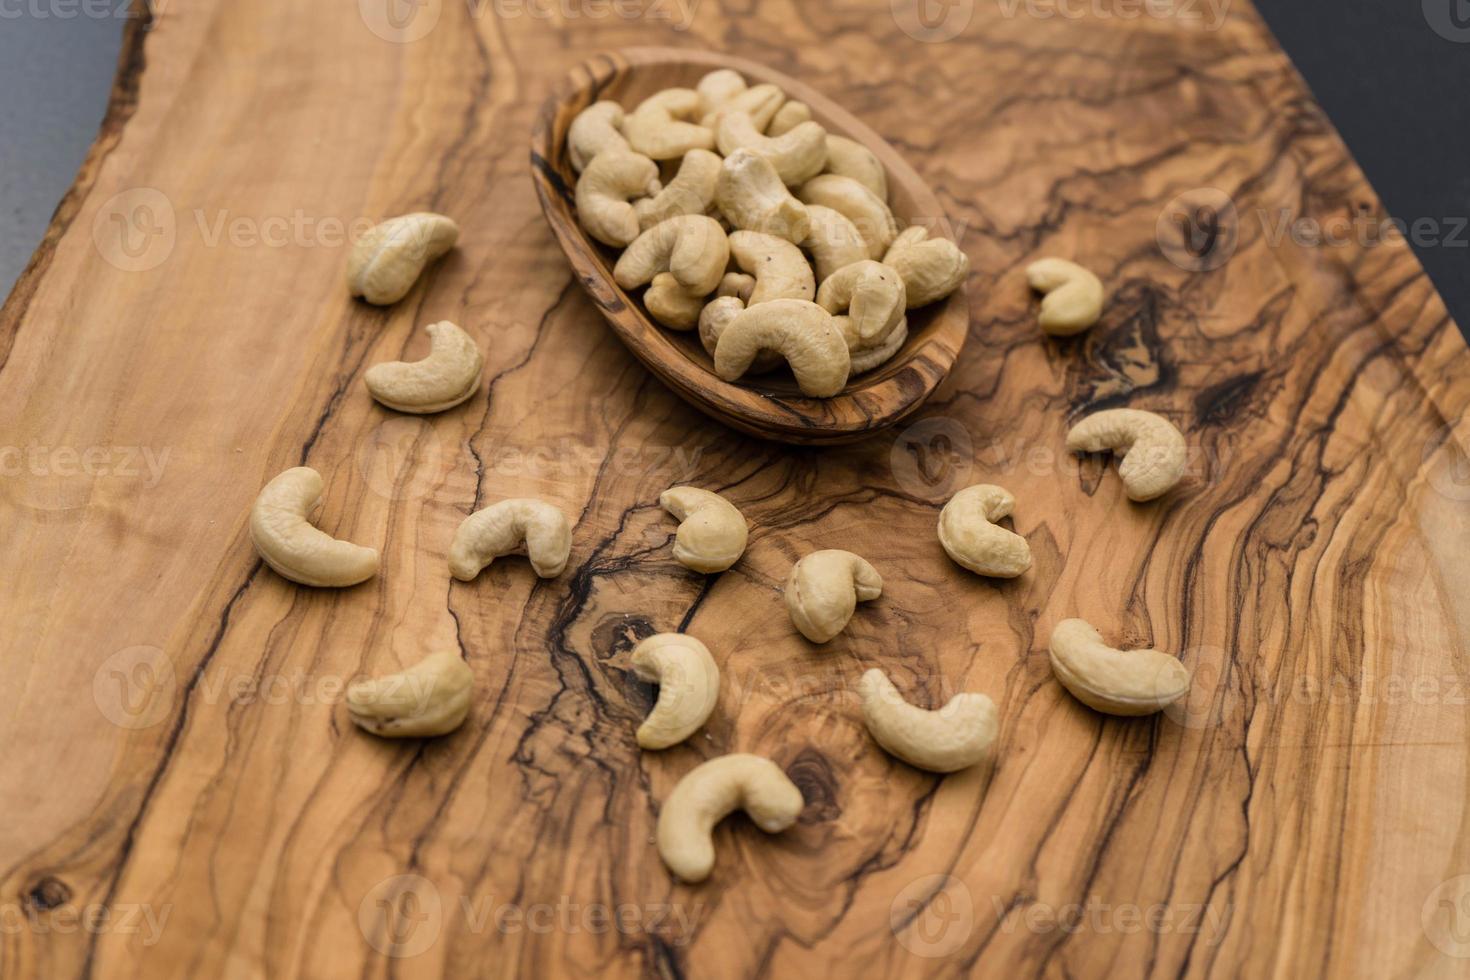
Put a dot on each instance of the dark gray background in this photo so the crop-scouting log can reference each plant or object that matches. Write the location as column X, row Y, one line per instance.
column 1393, row 76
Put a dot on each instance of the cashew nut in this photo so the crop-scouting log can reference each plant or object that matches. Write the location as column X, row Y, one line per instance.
column 797, row 155
column 736, row 284
column 1152, row 448
column 788, row 117
column 931, row 268
column 517, row 526
column 712, row 530
column 448, row 376
column 824, row 589
column 711, row 791
column 968, row 531
column 801, row 332
column 871, row 293
column 292, row 546
column 595, row 128
column 430, row 698
column 688, row 687
column 867, row 358
column 661, row 127
column 692, row 190
column 713, row 320
column 691, row 246
column 750, row 195
column 849, row 158
column 604, row 190
column 780, row 270
column 760, row 102
column 717, row 88
column 859, row 205
column 386, row 261
column 671, row 304
column 834, row 242
column 1116, row 682
column 1074, row 296
column 954, row 737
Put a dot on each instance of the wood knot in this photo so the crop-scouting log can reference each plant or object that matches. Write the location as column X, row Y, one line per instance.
column 47, row 893
column 618, row 634
column 812, row 774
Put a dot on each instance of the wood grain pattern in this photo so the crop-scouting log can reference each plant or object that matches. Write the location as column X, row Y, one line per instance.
column 176, row 752
column 763, row 405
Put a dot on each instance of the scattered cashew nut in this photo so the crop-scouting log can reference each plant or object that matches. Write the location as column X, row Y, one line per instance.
column 1152, row 449
column 385, row 262
column 610, row 182
column 824, row 589
column 750, row 195
column 1074, row 296
column 660, row 128
column 448, row 376
column 866, row 210
column 952, row 738
column 519, row 525
column 1116, row 682
column 968, row 531
column 295, row 548
column 800, row 331
column 779, row 268
column 595, row 128
column 430, row 698
column 688, row 687
column 931, row 268
column 712, row 531
column 691, row 246
column 797, row 155
column 711, row 791
column 692, row 190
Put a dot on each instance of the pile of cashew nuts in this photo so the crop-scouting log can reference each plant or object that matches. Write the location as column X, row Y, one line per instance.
column 763, row 313
column 745, row 219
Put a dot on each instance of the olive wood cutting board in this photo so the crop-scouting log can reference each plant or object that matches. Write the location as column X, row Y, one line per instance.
column 177, row 754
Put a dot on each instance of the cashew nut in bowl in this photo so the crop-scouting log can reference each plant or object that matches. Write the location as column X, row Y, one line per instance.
column 779, row 268
column 1074, row 296
column 824, row 589
column 519, row 525
column 671, row 304
column 385, row 263
column 717, row 88
column 712, row 531
column 788, row 117
column 691, row 246
column 797, row 155
column 692, row 190
column 760, row 102
column 970, row 536
column 659, row 127
column 610, row 182
column 849, row 158
column 871, row 293
column 1115, row 682
column 713, row 320
column 595, row 128
column 866, row 358
column 833, row 241
column 801, row 332
column 449, row 376
column 430, row 698
column 296, row 549
column 736, row 284
column 711, row 791
column 688, row 687
column 751, row 196
column 952, row 738
column 848, row 197
column 931, row 268
column 1152, row 449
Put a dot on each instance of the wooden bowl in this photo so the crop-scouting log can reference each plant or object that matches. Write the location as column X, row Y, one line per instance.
column 765, row 405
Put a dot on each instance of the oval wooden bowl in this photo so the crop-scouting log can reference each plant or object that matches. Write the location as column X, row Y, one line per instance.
column 767, row 405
